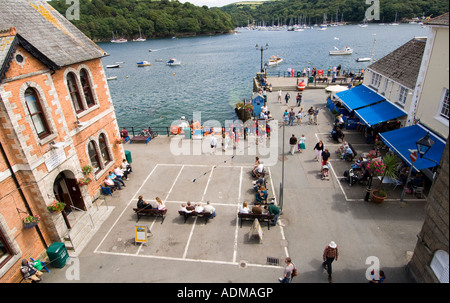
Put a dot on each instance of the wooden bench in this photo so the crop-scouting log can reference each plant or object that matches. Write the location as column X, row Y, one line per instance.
column 186, row 215
column 150, row 212
column 261, row 217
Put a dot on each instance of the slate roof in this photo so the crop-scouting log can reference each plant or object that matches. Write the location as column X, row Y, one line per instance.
column 439, row 20
column 41, row 26
column 403, row 64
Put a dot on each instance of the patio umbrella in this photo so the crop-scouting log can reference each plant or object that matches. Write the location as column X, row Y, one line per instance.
column 335, row 88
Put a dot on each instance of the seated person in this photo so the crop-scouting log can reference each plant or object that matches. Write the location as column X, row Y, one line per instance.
column 418, row 180
column 29, row 272
column 337, row 134
column 210, row 209
column 257, row 184
column 124, row 133
column 120, row 173
column 189, row 207
column 126, row 166
column 111, row 184
column 258, row 171
column 261, row 194
column 183, row 208
column 244, row 208
column 115, row 179
column 257, row 209
column 141, row 204
column 198, row 208
column 161, row 205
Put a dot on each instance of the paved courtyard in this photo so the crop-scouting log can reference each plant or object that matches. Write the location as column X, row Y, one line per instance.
column 315, row 212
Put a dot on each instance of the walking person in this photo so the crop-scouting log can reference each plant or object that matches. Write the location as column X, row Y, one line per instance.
column 288, row 271
column 293, row 143
column 301, row 143
column 316, row 113
column 299, row 99
column 291, row 117
column 318, row 148
column 287, row 97
column 311, row 115
column 330, row 254
column 213, row 143
column 299, row 116
column 279, row 95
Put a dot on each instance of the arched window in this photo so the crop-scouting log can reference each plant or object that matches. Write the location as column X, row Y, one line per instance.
column 93, row 156
column 37, row 115
column 439, row 265
column 74, row 92
column 104, row 149
column 85, row 83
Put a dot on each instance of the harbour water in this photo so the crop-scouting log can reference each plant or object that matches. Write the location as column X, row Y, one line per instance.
column 216, row 71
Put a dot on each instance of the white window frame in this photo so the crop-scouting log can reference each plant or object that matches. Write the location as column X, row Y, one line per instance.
column 439, row 265
column 444, row 104
column 376, row 80
column 402, row 95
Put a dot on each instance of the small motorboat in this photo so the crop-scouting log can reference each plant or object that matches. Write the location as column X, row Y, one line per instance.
column 144, row 63
column 120, row 40
column 275, row 60
column 363, row 59
column 346, row 51
column 173, row 62
column 111, row 78
column 158, row 60
column 113, row 66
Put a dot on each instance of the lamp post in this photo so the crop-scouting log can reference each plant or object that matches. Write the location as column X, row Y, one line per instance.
column 262, row 48
column 423, row 146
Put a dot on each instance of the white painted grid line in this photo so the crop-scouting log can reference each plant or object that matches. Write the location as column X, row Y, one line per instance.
column 125, row 209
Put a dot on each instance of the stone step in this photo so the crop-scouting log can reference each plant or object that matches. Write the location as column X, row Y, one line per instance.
column 84, row 228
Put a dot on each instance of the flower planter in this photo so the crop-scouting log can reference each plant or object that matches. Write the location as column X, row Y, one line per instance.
column 29, row 225
column 377, row 199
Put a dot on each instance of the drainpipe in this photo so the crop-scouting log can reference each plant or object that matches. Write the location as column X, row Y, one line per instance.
column 16, row 182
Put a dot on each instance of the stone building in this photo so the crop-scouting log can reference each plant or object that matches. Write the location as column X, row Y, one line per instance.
column 430, row 261
column 56, row 117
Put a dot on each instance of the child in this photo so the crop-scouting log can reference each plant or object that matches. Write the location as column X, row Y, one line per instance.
column 301, row 143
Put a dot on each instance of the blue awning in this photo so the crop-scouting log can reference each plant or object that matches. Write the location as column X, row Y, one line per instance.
column 378, row 113
column 359, row 96
column 403, row 139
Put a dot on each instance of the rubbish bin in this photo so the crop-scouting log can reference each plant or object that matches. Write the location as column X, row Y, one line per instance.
column 299, row 74
column 57, row 254
column 128, row 156
column 311, row 79
column 187, row 132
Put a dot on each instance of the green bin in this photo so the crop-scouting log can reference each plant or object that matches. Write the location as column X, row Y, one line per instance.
column 311, row 79
column 187, row 132
column 128, row 156
column 57, row 254
column 299, row 74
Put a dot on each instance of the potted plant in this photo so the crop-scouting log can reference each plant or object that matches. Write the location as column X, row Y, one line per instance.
column 56, row 206
column 120, row 141
column 84, row 181
column 386, row 167
column 31, row 221
column 87, row 169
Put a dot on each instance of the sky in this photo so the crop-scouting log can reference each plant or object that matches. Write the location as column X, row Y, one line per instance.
column 212, row 3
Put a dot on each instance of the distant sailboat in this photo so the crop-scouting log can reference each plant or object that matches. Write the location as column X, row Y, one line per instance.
column 120, row 40
column 140, row 39
column 395, row 21
column 371, row 57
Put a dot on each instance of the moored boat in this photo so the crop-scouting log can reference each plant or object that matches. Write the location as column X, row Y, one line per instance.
column 144, row 63
column 362, row 59
column 346, row 51
column 113, row 66
column 173, row 62
column 274, row 60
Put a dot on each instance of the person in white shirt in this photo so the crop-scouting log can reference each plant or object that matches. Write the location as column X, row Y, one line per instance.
column 120, row 173
column 244, row 208
column 126, row 166
column 213, row 143
column 199, row 208
column 210, row 209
